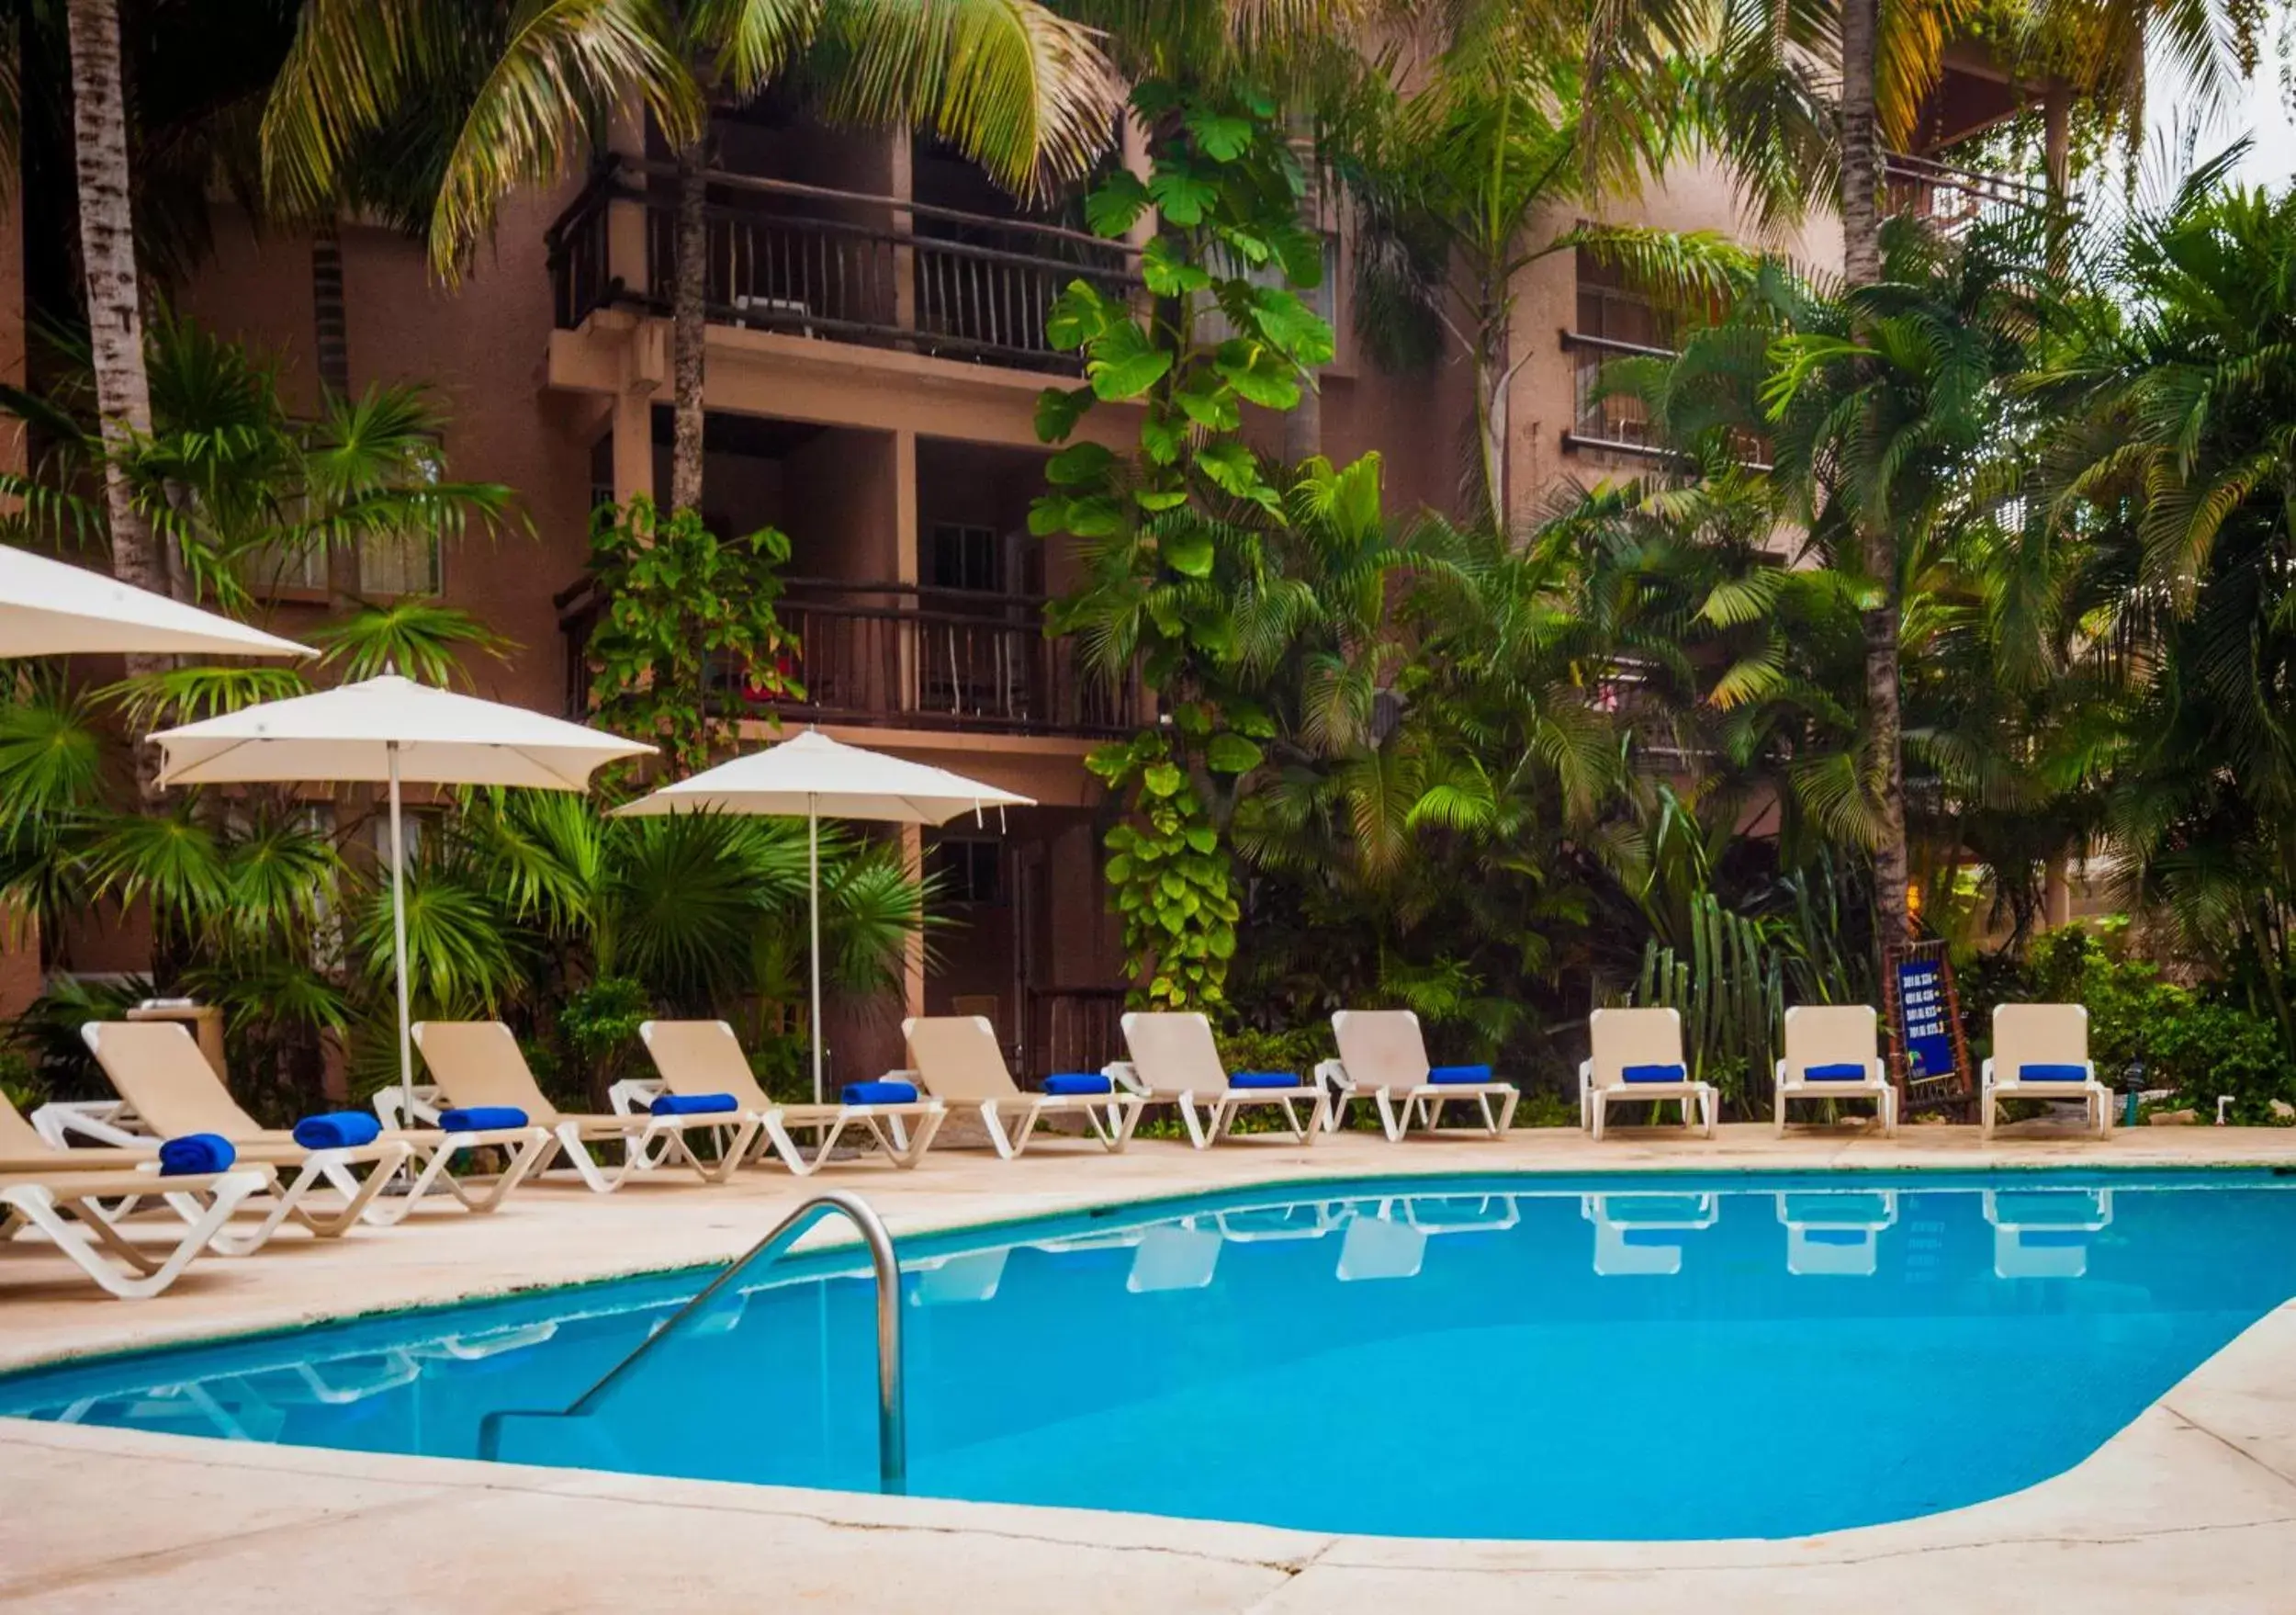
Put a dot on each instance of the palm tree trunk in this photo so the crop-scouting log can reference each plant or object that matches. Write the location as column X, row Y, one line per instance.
column 1494, row 381
column 689, row 328
column 107, row 250
column 1862, row 265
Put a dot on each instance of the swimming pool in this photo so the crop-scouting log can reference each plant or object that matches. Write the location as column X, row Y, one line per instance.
column 1615, row 1357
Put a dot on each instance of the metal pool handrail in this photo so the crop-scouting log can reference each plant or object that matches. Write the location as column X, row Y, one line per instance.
column 892, row 1407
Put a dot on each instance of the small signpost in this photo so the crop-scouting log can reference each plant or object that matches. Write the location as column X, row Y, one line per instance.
column 1929, row 1055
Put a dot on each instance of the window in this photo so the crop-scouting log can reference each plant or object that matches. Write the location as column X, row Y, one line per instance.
column 1615, row 320
column 965, row 871
column 966, row 557
column 390, row 563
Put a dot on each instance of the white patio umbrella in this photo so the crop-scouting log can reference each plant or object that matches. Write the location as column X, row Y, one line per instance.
column 50, row 608
column 391, row 730
column 814, row 777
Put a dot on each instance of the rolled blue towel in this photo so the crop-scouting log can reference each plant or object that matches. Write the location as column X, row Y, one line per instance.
column 1263, row 1079
column 1844, row 1071
column 1078, row 1082
column 196, row 1155
column 482, row 1119
column 2053, row 1073
column 694, row 1104
column 1653, row 1074
column 1459, row 1076
column 885, row 1091
column 338, row 1129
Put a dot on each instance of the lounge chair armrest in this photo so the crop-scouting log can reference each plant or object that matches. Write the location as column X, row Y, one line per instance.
column 634, row 1096
column 1125, row 1076
column 1333, row 1073
column 1985, row 1073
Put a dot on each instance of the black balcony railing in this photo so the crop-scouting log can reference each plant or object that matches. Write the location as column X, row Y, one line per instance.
column 1615, row 423
column 895, row 655
column 1951, row 200
column 834, row 266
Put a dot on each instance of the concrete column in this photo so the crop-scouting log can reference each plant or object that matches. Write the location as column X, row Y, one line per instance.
column 902, row 166
column 633, row 445
column 625, row 221
column 2057, row 895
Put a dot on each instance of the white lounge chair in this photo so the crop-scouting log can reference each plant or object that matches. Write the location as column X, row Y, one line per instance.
column 1175, row 1062
column 26, row 1152
column 1383, row 1057
column 1833, row 1051
column 705, row 1056
column 159, row 1069
column 477, row 1066
column 156, row 1067
column 1832, row 1233
column 1639, row 1041
column 2041, row 1051
column 957, row 1061
column 2045, row 1233
column 71, row 1208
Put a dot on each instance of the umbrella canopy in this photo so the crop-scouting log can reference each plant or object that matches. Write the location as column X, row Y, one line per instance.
column 391, row 730
column 389, row 727
column 50, row 608
column 812, row 777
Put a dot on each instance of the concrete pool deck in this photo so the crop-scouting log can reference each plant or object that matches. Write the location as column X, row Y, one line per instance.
column 2191, row 1507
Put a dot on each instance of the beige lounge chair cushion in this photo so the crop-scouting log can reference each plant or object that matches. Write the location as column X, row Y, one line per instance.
column 1173, row 1053
column 477, row 1063
column 1382, row 1048
column 1831, row 1034
column 956, row 1057
column 1634, row 1037
column 157, row 1067
column 2038, row 1034
column 703, row 1057
column 24, row 1154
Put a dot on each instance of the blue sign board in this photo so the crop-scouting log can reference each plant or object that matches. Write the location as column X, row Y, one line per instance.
column 1929, row 1036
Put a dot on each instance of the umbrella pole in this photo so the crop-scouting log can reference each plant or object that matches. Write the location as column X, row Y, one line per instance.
column 813, row 888
column 399, row 945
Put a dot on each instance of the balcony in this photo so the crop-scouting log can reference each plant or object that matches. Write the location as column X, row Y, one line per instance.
column 830, row 265
column 898, row 656
column 1952, row 200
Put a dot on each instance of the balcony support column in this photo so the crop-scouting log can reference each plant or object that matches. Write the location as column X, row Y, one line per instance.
column 908, row 543
column 633, row 445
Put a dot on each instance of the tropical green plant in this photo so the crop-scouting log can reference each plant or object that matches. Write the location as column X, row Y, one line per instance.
column 683, row 616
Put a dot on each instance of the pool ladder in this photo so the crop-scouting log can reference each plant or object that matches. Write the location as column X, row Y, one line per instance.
column 893, row 1463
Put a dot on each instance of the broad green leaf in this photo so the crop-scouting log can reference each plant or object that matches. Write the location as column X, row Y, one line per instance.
column 1079, row 314
column 1048, row 515
column 1162, row 779
column 1181, row 197
column 1158, row 501
column 1116, row 203
column 1168, row 275
column 1188, row 552
column 1079, row 462
column 1232, row 753
column 1221, row 136
column 1230, row 466
column 1125, row 363
column 1058, row 409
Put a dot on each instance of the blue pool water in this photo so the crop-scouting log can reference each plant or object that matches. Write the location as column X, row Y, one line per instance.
column 1510, row 1357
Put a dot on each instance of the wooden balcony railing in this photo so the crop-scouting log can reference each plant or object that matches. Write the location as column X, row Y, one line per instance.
column 830, row 265
column 1951, row 200
column 895, row 655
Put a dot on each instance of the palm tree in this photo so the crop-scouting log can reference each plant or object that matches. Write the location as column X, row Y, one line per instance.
column 1018, row 88
column 1454, row 184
